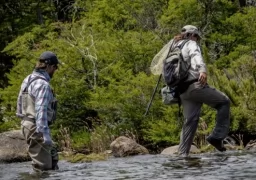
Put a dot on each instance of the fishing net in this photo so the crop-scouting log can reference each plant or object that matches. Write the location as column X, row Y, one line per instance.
column 156, row 66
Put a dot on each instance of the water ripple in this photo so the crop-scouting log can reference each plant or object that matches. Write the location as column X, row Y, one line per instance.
column 235, row 165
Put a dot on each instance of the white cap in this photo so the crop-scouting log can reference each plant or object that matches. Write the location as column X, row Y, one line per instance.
column 190, row 29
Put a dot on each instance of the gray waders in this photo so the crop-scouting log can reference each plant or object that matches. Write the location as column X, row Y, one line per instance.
column 44, row 157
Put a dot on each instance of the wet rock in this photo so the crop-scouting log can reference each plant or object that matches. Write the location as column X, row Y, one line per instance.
column 13, row 147
column 174, row 150
column 251, row 146
column 123, row 146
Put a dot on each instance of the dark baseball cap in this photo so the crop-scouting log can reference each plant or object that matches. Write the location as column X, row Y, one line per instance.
column 49, row 57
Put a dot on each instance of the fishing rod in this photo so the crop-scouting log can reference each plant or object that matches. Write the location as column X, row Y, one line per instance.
column 153, row 95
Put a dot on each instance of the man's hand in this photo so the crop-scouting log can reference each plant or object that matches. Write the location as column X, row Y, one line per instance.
column 202, row 78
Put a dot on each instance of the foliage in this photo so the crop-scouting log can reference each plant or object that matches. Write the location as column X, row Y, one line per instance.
column 80, row 139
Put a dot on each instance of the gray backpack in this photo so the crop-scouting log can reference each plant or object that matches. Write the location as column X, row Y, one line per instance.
column 175, row 71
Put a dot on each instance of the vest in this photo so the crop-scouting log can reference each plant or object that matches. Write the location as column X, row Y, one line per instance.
column 28, row 104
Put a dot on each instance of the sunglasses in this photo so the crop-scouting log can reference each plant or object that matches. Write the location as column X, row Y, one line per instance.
column 55, row 66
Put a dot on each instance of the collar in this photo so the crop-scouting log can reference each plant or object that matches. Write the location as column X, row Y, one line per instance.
column 42, row 73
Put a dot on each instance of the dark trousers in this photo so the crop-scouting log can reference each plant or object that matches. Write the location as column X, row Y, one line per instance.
column 192, row 100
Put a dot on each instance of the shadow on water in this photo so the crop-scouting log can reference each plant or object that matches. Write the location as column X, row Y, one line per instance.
column 180, row 163
column 33, row 175
column 237, row 165
column 194, row 161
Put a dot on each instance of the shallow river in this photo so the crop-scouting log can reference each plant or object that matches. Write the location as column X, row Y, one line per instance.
column 230, row 165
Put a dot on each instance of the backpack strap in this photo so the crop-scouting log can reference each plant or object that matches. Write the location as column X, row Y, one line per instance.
column 183, row 43
column 30, row 81
column 171, row 47
column 179, row 46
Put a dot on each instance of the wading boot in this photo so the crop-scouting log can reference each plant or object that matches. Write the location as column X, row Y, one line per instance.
column 217, row 143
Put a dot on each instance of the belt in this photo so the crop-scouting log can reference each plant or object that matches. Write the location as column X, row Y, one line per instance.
column 25, row 118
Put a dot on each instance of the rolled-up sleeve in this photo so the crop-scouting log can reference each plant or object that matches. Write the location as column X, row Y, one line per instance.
column 197, row 61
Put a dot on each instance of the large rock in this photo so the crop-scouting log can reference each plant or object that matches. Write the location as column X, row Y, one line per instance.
column 174, row 150
column 13, row 147
column 123, row 146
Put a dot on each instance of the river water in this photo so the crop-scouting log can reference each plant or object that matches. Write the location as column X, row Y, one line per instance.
column 230, row 165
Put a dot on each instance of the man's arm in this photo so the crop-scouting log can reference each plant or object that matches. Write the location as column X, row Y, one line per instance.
column 42, row 99
column 197, row 58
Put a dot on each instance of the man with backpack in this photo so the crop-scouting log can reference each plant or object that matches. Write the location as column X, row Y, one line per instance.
column 185, row 70
column 36, row 106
